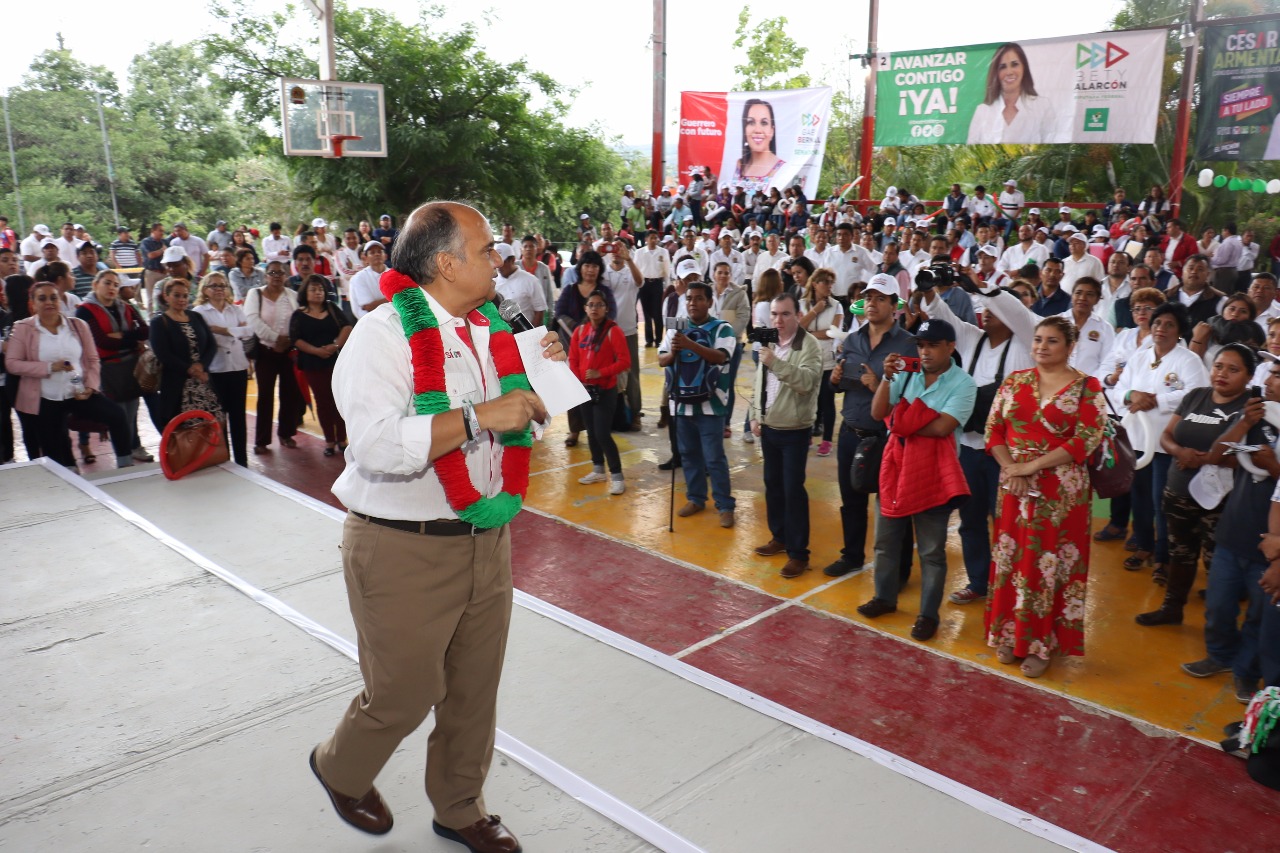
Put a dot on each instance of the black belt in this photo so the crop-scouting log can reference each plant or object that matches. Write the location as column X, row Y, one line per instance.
column 658, row 280
column 862, row 433
column 438, row 527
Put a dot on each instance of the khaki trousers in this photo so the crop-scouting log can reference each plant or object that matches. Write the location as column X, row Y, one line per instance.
column 431, row 615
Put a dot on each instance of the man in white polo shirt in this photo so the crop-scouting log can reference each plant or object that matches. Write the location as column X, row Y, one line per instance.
column 365, row 293
column 516, row 285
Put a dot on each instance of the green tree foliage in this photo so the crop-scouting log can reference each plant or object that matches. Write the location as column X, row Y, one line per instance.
column 460, row 124
column 773, row 57
column 172, row 141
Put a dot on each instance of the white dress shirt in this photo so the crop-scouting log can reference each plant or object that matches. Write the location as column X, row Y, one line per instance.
column 653, row 263
column 230, row 355
column 1072, row 269
column 277, row 249
column 388, row 472
column 1177, row 373
column 62, row 345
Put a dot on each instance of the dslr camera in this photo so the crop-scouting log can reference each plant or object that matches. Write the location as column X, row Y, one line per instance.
column 936, row 274
column 763, row 336
column 678, row 324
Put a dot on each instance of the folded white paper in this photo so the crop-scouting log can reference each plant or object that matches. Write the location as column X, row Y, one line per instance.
column 552, row 380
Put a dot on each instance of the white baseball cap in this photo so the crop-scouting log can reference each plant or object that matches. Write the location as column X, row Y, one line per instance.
column 1042, row 230
column 667, row 238
column 1101, row 230
column 372, row 243
column 688, row 267
column 42, row 230
column 884, row 283
column 989, row 249
column 319, row 223
column 173, row 254
column 505, row 251
column 628, row 189
column 1064, row 209
column 1011, row 183
column 585, row 216
column 891, row 191
column 1034, row 210
column 1079, row 235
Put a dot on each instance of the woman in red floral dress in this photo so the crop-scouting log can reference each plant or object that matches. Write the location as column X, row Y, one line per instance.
column 1043, row 425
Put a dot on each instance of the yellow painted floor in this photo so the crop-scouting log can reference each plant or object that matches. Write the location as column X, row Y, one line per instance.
column 1127, row 669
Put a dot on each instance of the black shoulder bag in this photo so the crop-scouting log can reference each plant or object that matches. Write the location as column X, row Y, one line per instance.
column 986, row 396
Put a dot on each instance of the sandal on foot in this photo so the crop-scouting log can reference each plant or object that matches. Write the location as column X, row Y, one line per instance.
column 1137, row 561
column 1034, row 667
column 1005, row 655
column 1110, row 533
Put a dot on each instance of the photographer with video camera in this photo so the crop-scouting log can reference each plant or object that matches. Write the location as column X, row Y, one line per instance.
column 858, row 368
column 989, row 354
column 942, row 276
column 782, row 414
column 695, row 353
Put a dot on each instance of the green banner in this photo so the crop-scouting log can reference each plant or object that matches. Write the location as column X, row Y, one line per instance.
column 1239, row 92
column 1095, row 88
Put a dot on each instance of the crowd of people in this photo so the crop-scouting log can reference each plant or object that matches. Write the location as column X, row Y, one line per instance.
column 978, row 344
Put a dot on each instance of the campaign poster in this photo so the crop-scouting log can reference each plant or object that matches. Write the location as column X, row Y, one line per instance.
column 755, row 140
column 1101, row 87
column 1239, row 90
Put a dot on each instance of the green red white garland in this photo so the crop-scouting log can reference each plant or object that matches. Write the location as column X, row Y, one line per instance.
column 430, row 397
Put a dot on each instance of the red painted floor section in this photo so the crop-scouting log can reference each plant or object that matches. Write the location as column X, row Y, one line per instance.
column 1089, row 772
column 1129, row 788
column 632, row 593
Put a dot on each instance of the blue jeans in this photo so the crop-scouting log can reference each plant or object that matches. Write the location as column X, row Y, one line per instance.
column 982, row 473
column 734, row 361
column 701, row 440
column 1007, row 224
column 786, row 502
column 1232, row 577
column 931, row 546
column 1150, row 529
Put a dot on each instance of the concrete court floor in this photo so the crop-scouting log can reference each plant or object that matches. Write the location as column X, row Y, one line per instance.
column 150, row 705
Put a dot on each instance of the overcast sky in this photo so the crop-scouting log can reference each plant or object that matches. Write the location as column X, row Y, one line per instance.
column 603, row 50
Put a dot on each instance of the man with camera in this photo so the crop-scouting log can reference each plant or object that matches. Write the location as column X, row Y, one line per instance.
column 695, row 353
column 782, row 415
column 859, row 366
column 941, row 276
column 924, row 401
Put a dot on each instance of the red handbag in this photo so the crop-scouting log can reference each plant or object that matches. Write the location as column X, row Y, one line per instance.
column 191, row 441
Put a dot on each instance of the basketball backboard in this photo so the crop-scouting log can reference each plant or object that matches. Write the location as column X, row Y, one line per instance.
column 333, row 119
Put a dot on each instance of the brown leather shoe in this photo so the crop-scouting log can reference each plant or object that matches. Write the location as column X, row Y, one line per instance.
column 690, row 508
column 367, row 814
column 772, row 547
column 487, row 835
column 795, row 568
column 726, row 518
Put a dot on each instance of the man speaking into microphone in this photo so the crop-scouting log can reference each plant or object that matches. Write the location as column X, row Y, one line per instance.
column 426, row 547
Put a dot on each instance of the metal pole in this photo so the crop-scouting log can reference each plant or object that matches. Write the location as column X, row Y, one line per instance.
column 328, row 67
column 1177, row 172
column 659, row 162
column 13, row 164
column 869, row 107
column 106, row 150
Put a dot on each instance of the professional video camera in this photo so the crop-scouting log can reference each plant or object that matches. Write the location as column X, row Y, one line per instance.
column 937, row 273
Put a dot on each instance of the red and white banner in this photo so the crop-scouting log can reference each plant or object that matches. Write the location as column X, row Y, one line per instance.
column 755, row 140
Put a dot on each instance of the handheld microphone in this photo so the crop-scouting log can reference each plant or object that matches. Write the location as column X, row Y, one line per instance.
column 510, row 312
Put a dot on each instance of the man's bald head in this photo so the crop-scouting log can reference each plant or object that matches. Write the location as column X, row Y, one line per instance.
column 432, row 229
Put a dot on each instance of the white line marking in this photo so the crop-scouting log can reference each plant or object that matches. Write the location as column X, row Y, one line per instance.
column 590, row 795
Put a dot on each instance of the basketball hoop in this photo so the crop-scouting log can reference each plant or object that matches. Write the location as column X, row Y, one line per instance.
column 335, row 145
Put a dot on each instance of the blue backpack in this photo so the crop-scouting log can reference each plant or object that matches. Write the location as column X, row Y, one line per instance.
column 691, row 378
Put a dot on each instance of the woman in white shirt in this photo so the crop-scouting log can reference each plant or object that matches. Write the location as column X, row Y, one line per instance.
column 1012, row 111
column 229, row 370
column 1155, row 380
column 819, row 313
column 269, row 310
column 54, row 359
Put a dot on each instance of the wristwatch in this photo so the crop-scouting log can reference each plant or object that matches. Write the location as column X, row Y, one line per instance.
column 470, row 423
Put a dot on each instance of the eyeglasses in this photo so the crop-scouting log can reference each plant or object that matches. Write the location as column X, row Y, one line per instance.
column 275, row 272
column 1142, row 309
